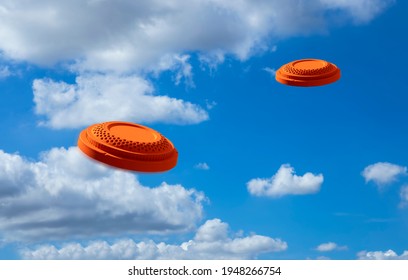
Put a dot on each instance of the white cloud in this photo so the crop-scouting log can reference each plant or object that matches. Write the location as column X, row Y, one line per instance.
column 130, row 35
column 285, row 182
column 329, row 246
column 271, row 71
column 97, row 98
column 382, row 173
column 185, row 71
column 202, row 166
column 324, row 247
column 380, row 255
column 211, row 241
column 404, row 195
column 359, row 10
column 5, row 72
column 66, row 194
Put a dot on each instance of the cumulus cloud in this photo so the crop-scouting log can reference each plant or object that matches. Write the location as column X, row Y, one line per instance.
column 97, row 98
column 66, row 194
column 211, row 241
column 129, row 35
column 202, row 166
column 382, row 255
column 285, row 182
column 329, row 246
column 382, row 173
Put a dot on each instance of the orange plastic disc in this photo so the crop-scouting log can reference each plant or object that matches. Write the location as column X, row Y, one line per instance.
column 308, row 72
column 128, row 146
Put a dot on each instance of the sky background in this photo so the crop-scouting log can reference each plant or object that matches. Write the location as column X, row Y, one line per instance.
column 265, row 171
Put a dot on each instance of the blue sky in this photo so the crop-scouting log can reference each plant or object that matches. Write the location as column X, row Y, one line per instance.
column 265, row 170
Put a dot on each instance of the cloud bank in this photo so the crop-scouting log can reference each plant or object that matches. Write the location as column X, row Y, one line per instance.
column 127, row 35
column 285, row 182
column 211, row 241
column 66, row 195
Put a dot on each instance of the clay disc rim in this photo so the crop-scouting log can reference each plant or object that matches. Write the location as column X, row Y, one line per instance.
column 308, row 72
column 128, row 146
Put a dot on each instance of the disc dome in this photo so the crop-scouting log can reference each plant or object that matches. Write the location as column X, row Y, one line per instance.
column 128, row 146
column 308, row 72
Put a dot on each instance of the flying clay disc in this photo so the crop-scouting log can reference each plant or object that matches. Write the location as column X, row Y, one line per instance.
column 128, row 146
column 308, row 72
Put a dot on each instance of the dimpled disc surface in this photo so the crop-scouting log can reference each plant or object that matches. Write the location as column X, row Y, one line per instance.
column 308, row 72
column 128, row 146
